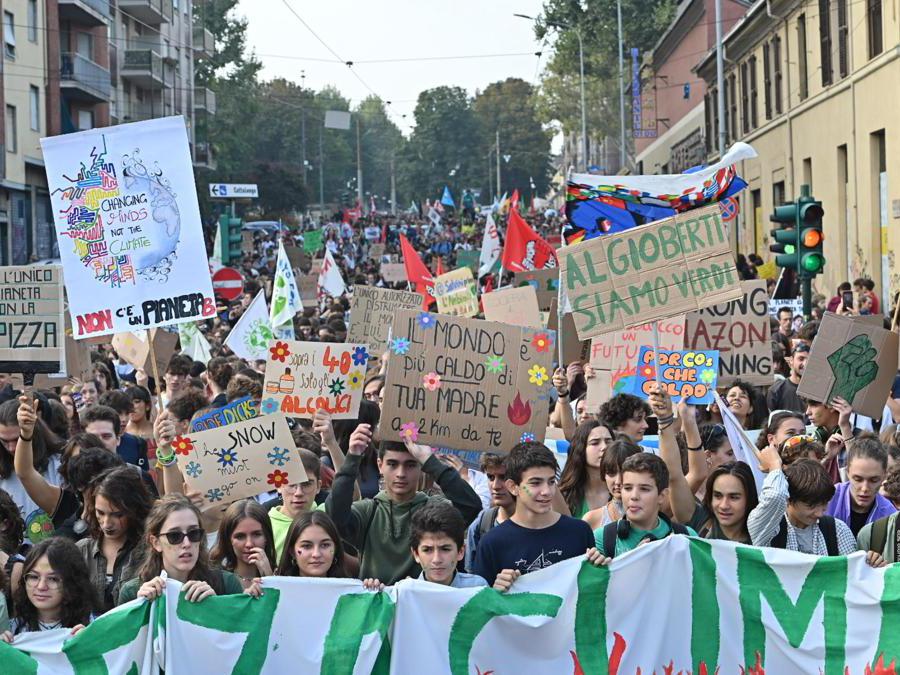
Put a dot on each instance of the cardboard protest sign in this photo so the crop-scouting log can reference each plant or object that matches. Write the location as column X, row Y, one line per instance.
column 855, row 360
column 796, row 306
column 513, row 306
column 77, row 364
column 544, row 282
column 687, row 375
column 308, row 285
column 655, row 271
column 739, row 330
column 298, row 259
column 393, row 272
column 472, row 384
column 468, row 259
column 573, row 349
column 376, row 251
column 456, row 293
column 135, row 349
column 312, row 241
column 372, row 311
column 616, row 354
column 129, row 228
column 239, row 460
column 32, row 330
column 303, row 377
column 241, row 410
column 247, row 242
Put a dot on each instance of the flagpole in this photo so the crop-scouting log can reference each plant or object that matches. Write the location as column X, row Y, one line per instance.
column 656, row 353
column 560, row 313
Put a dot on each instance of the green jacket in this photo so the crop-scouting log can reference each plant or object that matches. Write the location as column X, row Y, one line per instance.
column 889, row 550
column 379, row 528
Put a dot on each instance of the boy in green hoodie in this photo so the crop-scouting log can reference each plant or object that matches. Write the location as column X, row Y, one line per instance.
column 379, row 528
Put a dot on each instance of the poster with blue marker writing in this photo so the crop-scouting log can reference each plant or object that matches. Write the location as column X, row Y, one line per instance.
column 688, row 374
column 128, row 226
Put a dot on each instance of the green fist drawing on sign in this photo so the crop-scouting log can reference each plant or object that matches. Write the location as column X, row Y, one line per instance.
column 854, row 368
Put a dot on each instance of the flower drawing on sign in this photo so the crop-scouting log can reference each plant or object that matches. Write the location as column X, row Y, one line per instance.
column 269, row 406
column 425, row 320
column 538, row 375
column 278, row 456
column 360, row 356
column 226, row 457
column 355, row 379
column 519, row 411
column 337, row 386
column 277, row 478
column 214, row 495
column 409, row 431
column 527, row 437
column 280, row 351
column 431, row 381
column 648, row 372
column 707, row 376
column 494, row 364
column 193, row 469
column 541, row 342
column 400, row 345
column 182, row 445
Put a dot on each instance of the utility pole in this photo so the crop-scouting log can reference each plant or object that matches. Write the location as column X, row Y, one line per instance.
column 490, row 173
column 303, row 128
column 498, row 162
column 720, row 79
column 359, row 184
column 393, row 190
column 622, row 89
column 321, row 173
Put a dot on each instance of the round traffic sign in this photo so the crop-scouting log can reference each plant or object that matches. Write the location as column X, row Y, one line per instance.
column 729, row 208
column 227, row 283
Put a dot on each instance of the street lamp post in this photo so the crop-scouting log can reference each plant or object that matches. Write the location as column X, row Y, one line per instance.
column 584, row 138
column 621, row 89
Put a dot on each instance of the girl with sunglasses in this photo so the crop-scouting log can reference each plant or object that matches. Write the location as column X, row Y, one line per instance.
column 313, row 548
column 53, row 593
column 245, row 544
column 176, row 544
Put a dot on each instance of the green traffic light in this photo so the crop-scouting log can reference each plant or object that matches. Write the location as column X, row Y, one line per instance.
column 813, row 263
column 789, row 249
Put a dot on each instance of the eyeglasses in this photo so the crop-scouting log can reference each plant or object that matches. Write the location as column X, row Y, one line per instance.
column 175, row 537
column 797, row 440
column 32, row 579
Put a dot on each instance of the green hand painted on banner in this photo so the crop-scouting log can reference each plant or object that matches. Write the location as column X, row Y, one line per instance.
column 854, row 368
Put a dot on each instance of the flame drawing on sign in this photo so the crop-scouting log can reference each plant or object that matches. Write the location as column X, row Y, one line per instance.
column 519, row 411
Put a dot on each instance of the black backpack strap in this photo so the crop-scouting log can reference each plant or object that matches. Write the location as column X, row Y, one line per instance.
column 879, row 536
column 828, row 528
column 780, row 538
column 610, row 535
column 488, row 521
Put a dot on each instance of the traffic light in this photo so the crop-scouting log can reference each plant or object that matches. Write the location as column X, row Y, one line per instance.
column 811, row 260
column 231, row 238
column 786, row 236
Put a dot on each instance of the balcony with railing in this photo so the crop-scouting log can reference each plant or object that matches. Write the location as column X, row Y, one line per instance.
column 85, row 12
column 83, row 80
column 143, row 67
column 151, row 12
column 205, row 100
column 204, row 43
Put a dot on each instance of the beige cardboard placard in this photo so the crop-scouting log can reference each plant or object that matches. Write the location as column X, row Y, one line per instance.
column 599, row 390
column 303, row 377
column 544, row 282
column 135, row 349
column 617, row 353
column 78, row 362
column 308, row 285
column 651, row 272
column 239, row 460
column 372, row 311
column 573, row 349
column 456, row 293
column 514, row 306
column 855, row 360
column 475, row 385
column 393, row 272
column 739, row 329
column 297, row 257
column 376, row 251
column 32, row 328
column 247, row 242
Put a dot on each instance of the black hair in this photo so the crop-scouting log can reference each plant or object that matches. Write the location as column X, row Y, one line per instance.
column 287, row 566
column 574, row 478
column 437, row 518
column 140, row 394
column 88, row 464
column 775, row 421
column 528, row 455
column 744, row 474
column 101, row 413
column 223, row 552
column 186, row 406
column 44, row 443
column 124, row 488
column 616, row 453
column 621, row 408
column 12, row 525
column 117, row 400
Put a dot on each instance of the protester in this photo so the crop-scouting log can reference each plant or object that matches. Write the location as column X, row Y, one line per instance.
column 175, row 543
column 783, row 424
column 245, row 542
column 379, row 527
column 746, row 406
column 616, row 454
column 783, row 394
column 857, row 502
column 295, row 499
column 626, row 414
column 502, row 506
column 53, row 593
column 582, row 483
column 535, row 536
column 437, row 542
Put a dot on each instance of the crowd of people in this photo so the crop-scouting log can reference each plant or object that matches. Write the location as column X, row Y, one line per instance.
column 94, row 511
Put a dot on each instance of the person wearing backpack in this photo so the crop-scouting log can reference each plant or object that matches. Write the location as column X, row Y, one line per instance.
column 791, row 510
column 881, row 539
column 503, row 506
column 645, row 489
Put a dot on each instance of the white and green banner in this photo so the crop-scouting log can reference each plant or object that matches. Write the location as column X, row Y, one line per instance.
column 676, row 606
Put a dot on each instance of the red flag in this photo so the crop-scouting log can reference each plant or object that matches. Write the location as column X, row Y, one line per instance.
column 416, row 271
column 439, row 270
column 384, row 233
column 524, row 250
column 514, row 200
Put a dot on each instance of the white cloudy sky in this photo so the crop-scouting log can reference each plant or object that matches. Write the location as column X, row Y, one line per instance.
column 360, row 30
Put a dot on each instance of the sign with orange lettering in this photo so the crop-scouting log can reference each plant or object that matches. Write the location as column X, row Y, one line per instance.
column 687, row 375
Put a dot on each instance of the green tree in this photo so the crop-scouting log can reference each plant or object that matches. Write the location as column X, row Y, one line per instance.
column 382, row 145
column 509, row 107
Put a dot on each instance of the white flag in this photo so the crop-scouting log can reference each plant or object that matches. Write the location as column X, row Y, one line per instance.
column 285, row 296
column 215, row 260
column 435, row 217
column 193, row 342
column 330, row 279
column 490, row 247
column 252, row 334
column 744, row 450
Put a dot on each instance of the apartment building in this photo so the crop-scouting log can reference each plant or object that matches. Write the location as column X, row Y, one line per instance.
column 814, row 87
column 71, row 65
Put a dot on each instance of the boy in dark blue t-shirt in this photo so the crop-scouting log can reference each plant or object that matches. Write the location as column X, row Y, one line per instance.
column 535, row 536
